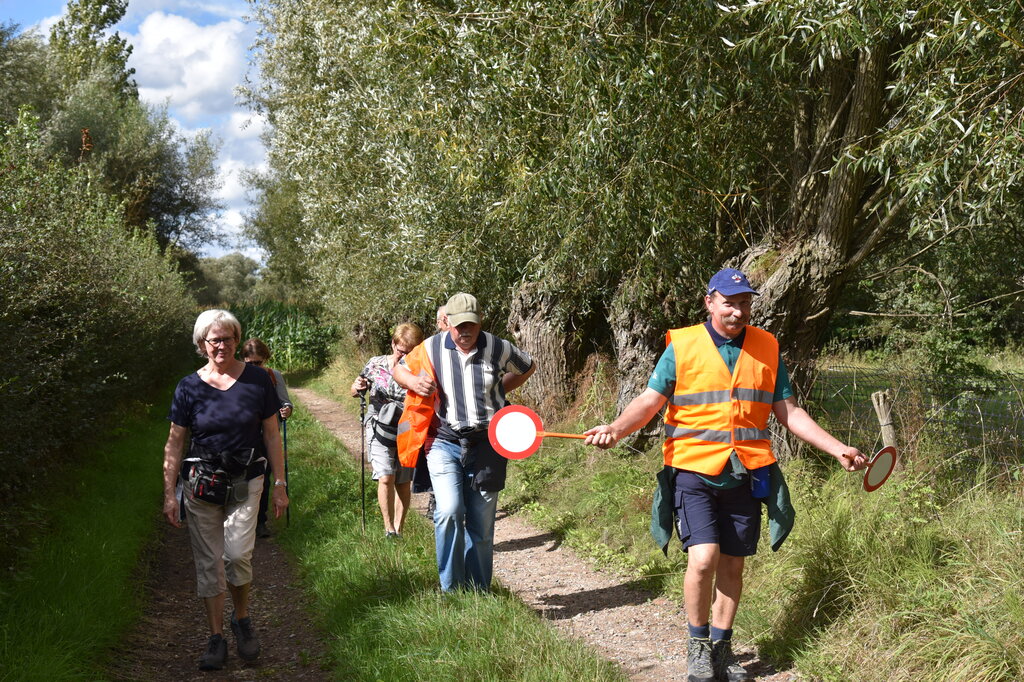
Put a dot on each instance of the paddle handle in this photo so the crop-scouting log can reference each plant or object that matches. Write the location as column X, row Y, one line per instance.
column 545, row 434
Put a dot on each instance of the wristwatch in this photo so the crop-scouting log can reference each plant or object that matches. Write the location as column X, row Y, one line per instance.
column 277, row 483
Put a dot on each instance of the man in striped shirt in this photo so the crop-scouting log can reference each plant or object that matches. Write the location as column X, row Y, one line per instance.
column 469, row 372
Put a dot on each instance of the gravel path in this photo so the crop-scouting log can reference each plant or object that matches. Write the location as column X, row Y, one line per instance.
column 646, row 635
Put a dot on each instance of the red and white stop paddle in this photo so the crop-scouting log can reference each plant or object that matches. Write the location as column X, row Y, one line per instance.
column 879, row 468
column 516, row 432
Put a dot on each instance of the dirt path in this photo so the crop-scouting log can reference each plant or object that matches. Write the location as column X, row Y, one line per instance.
column 172, row 631
column 645, row 635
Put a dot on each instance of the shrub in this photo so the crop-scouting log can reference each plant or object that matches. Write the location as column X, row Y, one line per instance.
column 89, row 309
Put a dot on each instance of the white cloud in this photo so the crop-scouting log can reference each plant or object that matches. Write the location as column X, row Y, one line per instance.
column 44, row 26
column 248, row 125
column 232, row 188
column 230, row 226
column 194, row 68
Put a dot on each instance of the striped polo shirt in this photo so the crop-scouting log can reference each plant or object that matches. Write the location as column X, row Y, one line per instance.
column 469, row 384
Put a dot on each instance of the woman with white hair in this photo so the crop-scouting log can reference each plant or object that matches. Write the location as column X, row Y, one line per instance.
column 219, row 415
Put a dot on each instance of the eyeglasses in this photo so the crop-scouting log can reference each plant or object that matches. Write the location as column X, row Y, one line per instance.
column 400, row 349
column 227, row 340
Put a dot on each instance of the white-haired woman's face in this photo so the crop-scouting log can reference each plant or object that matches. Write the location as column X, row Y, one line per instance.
column 220, row 343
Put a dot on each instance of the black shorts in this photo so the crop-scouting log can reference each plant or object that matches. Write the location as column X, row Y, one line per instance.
column 729, row 518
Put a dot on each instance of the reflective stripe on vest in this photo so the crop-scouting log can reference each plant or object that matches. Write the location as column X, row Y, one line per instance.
column 713, row 412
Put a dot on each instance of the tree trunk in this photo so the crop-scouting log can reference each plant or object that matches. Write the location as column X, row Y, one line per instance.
column 832, row 220
column 638, row 331
column 544, row 329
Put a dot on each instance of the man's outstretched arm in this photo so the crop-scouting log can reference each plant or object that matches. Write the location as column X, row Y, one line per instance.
column 636, row 415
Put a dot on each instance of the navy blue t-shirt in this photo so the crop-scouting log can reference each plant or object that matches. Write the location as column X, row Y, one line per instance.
column 225, row 420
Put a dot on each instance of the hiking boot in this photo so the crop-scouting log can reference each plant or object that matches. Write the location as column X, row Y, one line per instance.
column 262, row 530
column 245, row 638
column 724, row 663
column 215, row 655
column 698, row 660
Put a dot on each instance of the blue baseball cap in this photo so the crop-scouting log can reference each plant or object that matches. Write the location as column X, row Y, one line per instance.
column 729, row 282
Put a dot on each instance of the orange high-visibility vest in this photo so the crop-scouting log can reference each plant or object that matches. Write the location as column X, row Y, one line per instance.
column 419, row 411
column 711, row 413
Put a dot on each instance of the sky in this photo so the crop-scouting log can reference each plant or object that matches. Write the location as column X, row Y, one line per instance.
column 189, row 55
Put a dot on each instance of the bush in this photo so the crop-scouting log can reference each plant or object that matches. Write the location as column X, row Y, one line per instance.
column 86, row 306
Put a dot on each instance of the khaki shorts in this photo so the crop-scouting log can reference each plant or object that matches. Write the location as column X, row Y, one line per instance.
column 222, row 541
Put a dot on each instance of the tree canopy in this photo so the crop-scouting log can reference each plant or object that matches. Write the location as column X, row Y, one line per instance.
column 584, row 167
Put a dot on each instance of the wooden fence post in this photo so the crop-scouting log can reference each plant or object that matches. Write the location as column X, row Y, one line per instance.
column 882, row 400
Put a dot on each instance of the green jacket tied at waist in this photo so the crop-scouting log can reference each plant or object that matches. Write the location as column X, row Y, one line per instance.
column 781, row 514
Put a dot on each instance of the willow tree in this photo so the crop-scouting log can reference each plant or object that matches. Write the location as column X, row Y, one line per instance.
column 905, row 120
column 585, row 166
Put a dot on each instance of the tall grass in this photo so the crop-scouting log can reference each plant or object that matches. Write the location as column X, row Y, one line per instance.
column 379, row 601
column 902, row 584
column 920, row 580
column 296, row 336
column 75, row 588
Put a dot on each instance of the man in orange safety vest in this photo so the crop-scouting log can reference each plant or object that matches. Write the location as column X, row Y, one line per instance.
column 722, row 381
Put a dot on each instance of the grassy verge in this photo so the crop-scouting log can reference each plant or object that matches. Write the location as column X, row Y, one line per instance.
column 73, row 590
column 902, row 584
column 917, row 581
column 907, row 583
column 379, row 602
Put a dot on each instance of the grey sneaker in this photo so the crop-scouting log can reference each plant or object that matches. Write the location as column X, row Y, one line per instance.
column 724, row 663
column 698, row 660
column 245, row 638
column 215, row 655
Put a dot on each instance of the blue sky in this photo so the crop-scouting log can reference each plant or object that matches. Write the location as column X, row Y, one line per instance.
column 190, row 55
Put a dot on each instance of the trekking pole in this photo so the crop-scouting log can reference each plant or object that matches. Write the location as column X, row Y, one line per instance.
column 284, row 440
column 362, row 456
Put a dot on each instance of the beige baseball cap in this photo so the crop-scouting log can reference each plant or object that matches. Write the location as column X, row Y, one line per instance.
column 462, row 308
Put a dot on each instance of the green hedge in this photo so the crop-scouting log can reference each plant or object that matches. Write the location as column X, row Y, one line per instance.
column 90, row 311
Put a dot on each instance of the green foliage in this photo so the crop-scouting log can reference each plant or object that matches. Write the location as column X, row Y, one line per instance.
column 276, row 224
column 72, row 592
column 297, row 337
column 167, row 181
column 91, row 312
column 378, row 600
column 608, row 149
column 227, row 280
column 27, row 79
column 81, row 44
column 520, row 145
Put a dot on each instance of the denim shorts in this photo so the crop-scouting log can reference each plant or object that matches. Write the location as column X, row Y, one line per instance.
column 729, row 518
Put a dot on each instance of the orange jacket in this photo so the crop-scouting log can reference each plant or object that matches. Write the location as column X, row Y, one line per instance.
column 419, row 411
column 711, row 412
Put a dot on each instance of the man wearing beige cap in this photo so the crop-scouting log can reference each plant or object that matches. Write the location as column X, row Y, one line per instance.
column 457, row 379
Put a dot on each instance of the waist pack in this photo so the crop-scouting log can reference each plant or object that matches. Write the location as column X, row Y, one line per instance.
column 385, row 427
column 215, row 486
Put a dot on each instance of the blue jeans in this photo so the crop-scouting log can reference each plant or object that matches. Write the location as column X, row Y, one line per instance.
column 463, row 520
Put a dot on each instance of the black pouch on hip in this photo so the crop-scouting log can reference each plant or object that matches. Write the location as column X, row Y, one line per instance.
column 209, row 486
